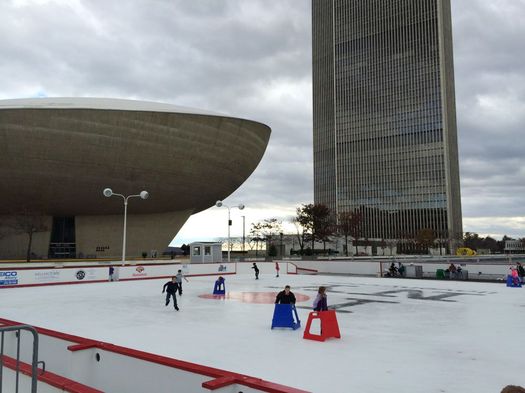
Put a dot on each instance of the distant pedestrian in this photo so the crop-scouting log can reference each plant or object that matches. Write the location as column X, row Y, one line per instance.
column 171, row 291
column 179, row 277
column 277, row 268
column 320, row 302
column 285, row 297
column 111, row 273
column 256, row 270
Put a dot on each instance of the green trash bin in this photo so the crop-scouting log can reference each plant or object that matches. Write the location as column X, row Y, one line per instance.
column 440, row 274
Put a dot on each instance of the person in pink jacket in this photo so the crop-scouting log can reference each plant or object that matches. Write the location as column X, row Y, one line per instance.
column 515, row 276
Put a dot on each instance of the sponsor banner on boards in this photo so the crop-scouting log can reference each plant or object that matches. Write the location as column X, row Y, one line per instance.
column 46, row 276
column 140, row 271
column 8, row 277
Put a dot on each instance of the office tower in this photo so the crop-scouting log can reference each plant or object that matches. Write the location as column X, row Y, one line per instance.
column 385, row 138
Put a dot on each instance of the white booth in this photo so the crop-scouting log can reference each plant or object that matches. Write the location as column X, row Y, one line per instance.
column 205, row 252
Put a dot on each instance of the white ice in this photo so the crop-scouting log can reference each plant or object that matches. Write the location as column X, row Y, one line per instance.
column 415, row 343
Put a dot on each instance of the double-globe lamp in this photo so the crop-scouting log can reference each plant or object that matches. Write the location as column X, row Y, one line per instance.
column 240, row 207
column 108, row 192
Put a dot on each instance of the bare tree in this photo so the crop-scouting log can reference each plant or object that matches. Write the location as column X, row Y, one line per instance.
column 265, row 230
column 350, row 225
column 301, row 233
column 346, row 227
column 29, row 222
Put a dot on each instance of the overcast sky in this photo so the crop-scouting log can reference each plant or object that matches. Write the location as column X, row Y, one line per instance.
column 252, row 59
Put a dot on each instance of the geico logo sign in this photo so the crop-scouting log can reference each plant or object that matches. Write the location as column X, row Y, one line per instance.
column 8, row 274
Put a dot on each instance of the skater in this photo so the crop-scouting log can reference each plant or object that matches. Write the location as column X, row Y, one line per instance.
column 320, row 302
column 521, row 271
column 277, row 268
column 111, row 272
column 393, row 270
column 171, row 291
column 285, row 297
column 401, row 269
column 515, row 277
column 179, row 277
column 256, row 269
column 451, row 271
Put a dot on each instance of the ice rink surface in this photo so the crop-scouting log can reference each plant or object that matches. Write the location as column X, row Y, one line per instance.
column 402, row 336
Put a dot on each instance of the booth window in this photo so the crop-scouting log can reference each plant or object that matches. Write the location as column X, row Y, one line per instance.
column 196, row 250
column 207, row 250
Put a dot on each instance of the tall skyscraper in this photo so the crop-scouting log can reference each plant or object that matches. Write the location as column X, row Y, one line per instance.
column 385, row 137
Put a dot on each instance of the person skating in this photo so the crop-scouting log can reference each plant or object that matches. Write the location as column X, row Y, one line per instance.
column 179, row 277
column 320, row 302
column 285, row 297
column 256, row 270
column 171, row 290
column 277, row 268
column 521, row 271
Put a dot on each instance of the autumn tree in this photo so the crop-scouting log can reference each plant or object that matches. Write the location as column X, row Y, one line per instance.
column 425, row 238
column 315, row 221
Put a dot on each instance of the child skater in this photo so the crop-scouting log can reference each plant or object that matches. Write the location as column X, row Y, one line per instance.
column 277, row 268
column 320, row 302
column 256, row 269
column 179, row 277
column 172, row 287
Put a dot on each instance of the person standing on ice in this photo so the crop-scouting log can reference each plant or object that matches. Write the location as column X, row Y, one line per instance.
column 256, row 270
column 277, row 268
column 171, row 290
column 285, row 297
column 320, row 302
column 521, row 271
column 515, row 276
column 179, row 277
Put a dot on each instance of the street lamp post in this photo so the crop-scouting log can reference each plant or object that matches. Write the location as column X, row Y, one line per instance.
column 243, row 233
column 108, row 192
column 240, row 207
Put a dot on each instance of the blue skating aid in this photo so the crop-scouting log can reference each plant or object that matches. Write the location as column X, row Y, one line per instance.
column 220, row 287
column 285, row 316
column 511, row 283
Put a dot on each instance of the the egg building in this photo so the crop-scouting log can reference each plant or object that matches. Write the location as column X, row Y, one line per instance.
column 57, row 155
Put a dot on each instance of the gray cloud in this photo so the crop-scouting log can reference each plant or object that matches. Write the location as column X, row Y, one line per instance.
column 253, row 59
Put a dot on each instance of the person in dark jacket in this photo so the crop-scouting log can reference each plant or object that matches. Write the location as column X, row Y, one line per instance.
column 320, row 302
column 285, row 297
column 256, row 269
column 171, row 288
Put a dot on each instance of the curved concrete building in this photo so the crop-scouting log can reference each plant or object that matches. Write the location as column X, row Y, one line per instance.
column 58, row 154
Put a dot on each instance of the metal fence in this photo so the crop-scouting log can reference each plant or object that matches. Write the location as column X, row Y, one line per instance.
column 34, row 363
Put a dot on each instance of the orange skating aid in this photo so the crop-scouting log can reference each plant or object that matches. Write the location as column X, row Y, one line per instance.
column 329, row 326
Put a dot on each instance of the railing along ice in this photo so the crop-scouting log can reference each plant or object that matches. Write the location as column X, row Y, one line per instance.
column 34, row 363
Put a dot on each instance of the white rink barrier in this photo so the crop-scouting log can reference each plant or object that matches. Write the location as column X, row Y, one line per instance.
column 81, row 365
column 375, row 268
column 20, row 277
